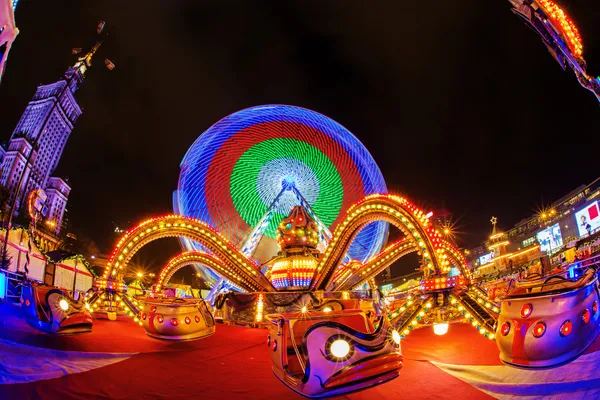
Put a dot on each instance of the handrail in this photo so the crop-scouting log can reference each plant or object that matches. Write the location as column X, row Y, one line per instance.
column 298, row 355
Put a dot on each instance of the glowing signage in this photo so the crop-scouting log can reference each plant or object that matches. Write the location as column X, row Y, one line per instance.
column 386, row 288
column 486, row 258
column 550, row 238
column 588, row 219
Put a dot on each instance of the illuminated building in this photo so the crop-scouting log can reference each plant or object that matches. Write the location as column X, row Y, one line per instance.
column 553, row 229
column 8, row 31
column 39, row 139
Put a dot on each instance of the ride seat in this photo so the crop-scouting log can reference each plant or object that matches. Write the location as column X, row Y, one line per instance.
column 561, row 284
column 357, row 322
column 42, row 308
column 566, row 285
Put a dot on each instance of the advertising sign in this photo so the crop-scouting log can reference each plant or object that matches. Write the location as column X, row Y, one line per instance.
column 550, row 238
column 386, row 288
column 588, row 219
column 486, row 258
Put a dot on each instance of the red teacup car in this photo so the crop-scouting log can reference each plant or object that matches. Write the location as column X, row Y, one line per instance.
column 52, row 310
column 322, row 354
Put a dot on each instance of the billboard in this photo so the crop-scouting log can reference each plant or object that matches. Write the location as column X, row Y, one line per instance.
column 588, row 219
column 486, row 258
column 386, row 288
column 550, row 238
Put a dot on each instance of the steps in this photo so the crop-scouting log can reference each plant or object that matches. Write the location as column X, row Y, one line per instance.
column 401, row 320
column 480, row 312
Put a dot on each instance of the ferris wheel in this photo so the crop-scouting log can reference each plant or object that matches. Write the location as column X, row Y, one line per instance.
column 246, row 172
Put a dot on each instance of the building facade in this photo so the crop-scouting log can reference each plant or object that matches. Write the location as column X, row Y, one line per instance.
column 38, row 141
column 561, row 226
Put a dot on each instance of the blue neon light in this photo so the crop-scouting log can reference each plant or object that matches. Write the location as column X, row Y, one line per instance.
column 2, row 286
column 190, row 197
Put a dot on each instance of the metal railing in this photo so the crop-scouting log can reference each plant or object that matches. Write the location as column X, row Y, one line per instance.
column 14, row 283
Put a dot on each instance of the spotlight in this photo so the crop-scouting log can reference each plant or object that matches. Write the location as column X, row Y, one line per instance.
column 340, row 348
column 440, row 328
column 63, row 304
column 396, row 336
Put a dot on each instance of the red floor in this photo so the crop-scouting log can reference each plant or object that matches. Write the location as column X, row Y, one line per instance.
column 231, row 364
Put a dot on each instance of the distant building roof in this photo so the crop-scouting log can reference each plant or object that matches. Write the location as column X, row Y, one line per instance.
column 57, row 255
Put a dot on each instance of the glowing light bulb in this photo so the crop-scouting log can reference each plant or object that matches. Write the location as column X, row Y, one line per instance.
column 440, row 328
column 396, row 336
column 63, row 304
column 340, row 348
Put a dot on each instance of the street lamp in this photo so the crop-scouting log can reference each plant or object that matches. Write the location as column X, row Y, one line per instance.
column 140, row 274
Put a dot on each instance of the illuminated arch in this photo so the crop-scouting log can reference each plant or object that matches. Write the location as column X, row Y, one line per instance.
column 355, row 273
column 198, row 257
column 457, row 259
column 182, row 227
column 395, row 210
column 375, row 265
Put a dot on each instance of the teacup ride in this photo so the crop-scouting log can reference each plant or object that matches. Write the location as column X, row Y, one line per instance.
column 51, row 309
column 329, row 353
column 177, row 319
column 546, row 322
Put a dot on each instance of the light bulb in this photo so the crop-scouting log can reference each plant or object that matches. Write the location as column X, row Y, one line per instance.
column 396, row 336
column 63, row 304
column 340, row 348
column 440, row 328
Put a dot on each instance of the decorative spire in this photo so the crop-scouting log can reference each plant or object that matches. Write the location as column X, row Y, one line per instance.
column 493, row 221
column 78, row 70
column 299, row 229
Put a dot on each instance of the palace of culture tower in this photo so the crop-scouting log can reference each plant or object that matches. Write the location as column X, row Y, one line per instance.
column 38, row 141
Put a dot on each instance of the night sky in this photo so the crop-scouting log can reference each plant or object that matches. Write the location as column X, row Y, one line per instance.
column 459, row 103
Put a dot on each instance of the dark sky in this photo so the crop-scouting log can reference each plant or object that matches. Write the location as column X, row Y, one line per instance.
column 459, row 103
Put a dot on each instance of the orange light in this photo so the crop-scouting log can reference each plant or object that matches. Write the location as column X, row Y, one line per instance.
column 539, row 329
column 505, row 328
column 566, row 25
column 526, row 310
column 566, row 328
column 493, row 246
column 585, row 316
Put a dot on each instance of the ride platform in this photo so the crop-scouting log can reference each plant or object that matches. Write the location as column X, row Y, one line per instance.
column 118, row 361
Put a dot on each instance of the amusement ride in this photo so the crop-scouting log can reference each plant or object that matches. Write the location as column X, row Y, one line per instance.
column 286, row 215
column 560, row 35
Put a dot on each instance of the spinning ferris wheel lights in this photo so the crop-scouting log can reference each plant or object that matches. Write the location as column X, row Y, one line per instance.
column 245, row 174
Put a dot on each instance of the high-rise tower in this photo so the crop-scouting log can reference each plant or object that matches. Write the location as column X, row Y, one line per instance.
column 39, row 139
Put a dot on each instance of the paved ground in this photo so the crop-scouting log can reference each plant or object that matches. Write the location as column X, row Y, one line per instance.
column 233, row 363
